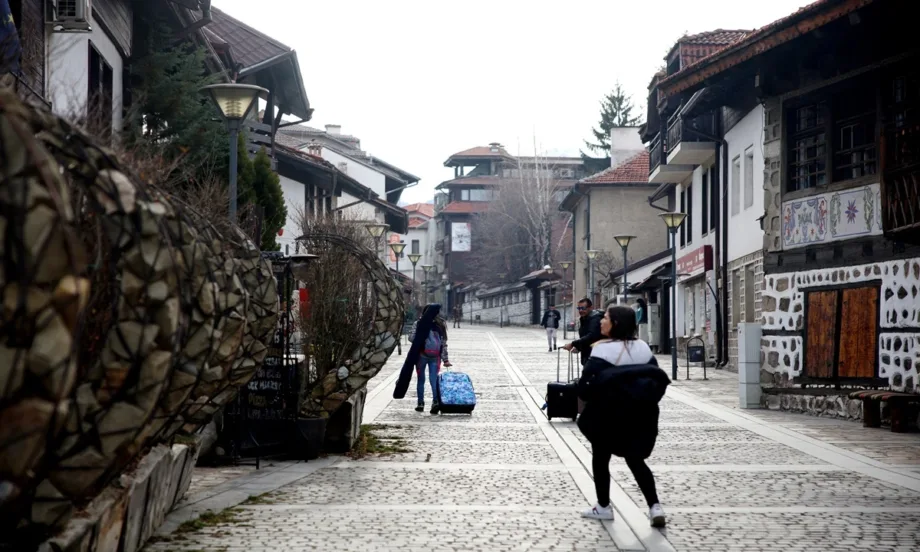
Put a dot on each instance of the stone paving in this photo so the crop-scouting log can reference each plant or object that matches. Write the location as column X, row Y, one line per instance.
column 506, row 479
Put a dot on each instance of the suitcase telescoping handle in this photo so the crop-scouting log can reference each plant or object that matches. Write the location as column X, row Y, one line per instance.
column 571, row 368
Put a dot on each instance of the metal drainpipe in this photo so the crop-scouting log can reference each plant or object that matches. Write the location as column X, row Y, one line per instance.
column 724, row 222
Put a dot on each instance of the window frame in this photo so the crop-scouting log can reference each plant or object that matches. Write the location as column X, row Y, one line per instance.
column 736, row 185
column 832, row 97
column 748, row 178
column 100, row 95
column 704, row 202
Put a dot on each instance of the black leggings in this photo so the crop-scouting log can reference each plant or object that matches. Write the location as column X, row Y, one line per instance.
column 601, row 465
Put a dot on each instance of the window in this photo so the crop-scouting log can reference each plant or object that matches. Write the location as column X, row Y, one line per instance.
column 416, row 247
column 736, row 185
column 689, row 223
column 749, row 177
column 704, row 203
column 832, row 139
column 736, row 299
column 476, row 195
column 714, row 198
column 808, row 147
column 101, row 86
column 683, row 209
column 749, row 287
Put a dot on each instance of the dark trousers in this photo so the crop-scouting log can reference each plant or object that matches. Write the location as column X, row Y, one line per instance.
column 601, row 466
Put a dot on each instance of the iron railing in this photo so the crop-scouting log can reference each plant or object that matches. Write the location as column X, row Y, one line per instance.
column 698, row 129
column 655, row 154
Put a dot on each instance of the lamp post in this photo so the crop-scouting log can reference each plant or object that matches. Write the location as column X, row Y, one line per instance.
column 591, row 254
column 397, row 249
column 673, row 222
column 414, row 258
column 624, row 243
column 235, row 102
column 426, row 269
column 565, row 269
column 376, row 231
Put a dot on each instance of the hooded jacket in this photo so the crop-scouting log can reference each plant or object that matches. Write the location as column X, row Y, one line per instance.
column 621, row 406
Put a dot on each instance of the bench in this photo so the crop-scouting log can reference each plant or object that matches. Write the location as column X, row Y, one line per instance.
column 897, row 402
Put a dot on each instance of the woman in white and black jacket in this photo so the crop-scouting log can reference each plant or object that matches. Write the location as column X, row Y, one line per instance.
column 621, row 386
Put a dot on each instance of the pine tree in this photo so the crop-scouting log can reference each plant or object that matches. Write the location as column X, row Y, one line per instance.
column 266, row 186
column 616, row 111
column 168, row 110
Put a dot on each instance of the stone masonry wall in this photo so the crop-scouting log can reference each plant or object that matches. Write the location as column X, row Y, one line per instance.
column 899, row 309
column 754, row 260
column 516, row 311
column 772, row 176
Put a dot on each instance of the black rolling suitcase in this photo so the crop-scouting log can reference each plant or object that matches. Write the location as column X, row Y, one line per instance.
column 562, row 397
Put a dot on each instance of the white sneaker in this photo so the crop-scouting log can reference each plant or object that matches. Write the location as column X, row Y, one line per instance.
column 598, row 512
column 656, row 516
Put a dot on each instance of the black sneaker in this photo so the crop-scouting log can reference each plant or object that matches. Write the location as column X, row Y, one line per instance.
column 420, row 407
column 435, row 408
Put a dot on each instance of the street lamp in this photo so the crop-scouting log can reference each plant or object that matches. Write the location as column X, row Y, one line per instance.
column 376, row 231
column 414, row 258
column 397, row 249
column 591, row 254
column 673, row 222
column 426, row 269
column 624, row 243
column 565, row 268
column 235, row 102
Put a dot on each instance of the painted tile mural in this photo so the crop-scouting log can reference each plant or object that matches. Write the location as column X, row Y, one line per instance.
column 832, row 216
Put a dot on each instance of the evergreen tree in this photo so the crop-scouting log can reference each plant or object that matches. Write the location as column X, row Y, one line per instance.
column 616, row 111
column 266, row 186
column 168, row 110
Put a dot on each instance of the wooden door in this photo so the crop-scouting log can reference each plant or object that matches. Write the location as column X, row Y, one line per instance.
column 821, row 334
column 858, row 328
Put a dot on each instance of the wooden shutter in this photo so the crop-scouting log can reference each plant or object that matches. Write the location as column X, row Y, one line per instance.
column 858, row 327
column 821, row 334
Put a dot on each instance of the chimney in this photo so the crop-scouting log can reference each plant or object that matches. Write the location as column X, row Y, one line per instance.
column 334, row 129
column 315, row 148
column 625, row 142
column 495, row 147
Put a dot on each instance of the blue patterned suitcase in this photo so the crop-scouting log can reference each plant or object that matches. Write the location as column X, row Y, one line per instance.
column 455, row 390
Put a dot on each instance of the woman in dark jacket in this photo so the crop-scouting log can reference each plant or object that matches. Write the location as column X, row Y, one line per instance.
column 621, row 386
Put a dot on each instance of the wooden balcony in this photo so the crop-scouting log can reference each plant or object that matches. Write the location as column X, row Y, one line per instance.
column 662, row 171
column 690, row 141
column 655, row 153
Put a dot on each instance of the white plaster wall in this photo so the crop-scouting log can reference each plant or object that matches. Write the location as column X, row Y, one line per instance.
column 700, row 238
column 363, row 212
column 744, row 233
column 68, row 79
column 405, row 266
column 294, row 193
column 371, row 178
column 515, row 313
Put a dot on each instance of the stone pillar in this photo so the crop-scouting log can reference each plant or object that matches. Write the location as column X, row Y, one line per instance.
column 344, row 426
column 749, row 365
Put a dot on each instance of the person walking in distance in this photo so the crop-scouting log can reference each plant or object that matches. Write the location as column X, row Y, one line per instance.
column 551, row 322
column 432, row 351
column 621, row 386
column 589, row 329
column 458, row 315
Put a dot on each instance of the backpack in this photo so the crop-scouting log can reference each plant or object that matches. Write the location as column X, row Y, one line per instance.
column 432, row 347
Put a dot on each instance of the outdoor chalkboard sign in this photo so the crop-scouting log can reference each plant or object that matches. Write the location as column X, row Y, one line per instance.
column 264, row 402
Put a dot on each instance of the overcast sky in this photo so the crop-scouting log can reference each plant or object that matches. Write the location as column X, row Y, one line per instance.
column 418, row 80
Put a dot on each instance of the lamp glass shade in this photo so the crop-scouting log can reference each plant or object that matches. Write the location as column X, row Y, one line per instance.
column 427, row 268
column 234, row 100
column 414, row 258
column 624, row 240
column 565, row 265
column 397, row 248
column 591, row 254
column 376, row 230
column 300, row 265
column 673, row 220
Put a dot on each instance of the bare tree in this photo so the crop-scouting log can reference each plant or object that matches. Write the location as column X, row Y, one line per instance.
column 522, row 230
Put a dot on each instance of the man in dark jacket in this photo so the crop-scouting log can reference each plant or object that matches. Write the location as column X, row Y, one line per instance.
column 589, row 329
column 551, row 322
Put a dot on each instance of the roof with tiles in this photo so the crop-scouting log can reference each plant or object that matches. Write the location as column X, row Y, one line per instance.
column 424, row 209
column 633, row 170
column 249, row 46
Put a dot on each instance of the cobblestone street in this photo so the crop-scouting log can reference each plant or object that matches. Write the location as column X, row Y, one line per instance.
column 506, row 479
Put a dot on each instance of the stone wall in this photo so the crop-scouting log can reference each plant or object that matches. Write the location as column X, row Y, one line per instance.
column 516, row 308
column 826, row 405
column 899, row 314
column 129, row 510
column 755, row 261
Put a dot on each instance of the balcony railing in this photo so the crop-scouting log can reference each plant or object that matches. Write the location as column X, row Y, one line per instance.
column 699, row 129
column 656, row 151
